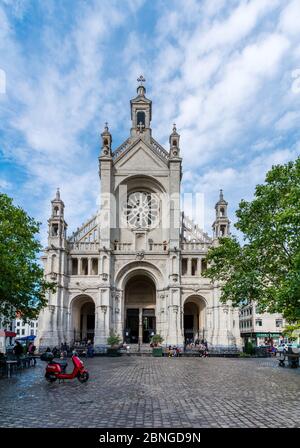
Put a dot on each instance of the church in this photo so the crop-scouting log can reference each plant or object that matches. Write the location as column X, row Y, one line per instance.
column 136, row 267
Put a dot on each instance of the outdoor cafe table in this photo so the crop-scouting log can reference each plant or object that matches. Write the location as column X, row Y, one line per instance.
column 9, row 366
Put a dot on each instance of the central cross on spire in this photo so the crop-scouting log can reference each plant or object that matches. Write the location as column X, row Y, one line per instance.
column 141, row 80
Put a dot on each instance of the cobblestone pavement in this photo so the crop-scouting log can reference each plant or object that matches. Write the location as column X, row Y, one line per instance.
column 156, row 392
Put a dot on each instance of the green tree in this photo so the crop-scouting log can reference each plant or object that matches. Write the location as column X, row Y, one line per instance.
column 266, row 267
column 22, row 285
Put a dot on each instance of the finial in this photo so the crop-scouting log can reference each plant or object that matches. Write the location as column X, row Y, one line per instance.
column 174, row 127
column 106, row 126
column 57, row 193
column 141, row 80
column 221, row 195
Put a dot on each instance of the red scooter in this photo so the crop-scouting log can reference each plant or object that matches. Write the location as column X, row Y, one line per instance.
column 56, row 369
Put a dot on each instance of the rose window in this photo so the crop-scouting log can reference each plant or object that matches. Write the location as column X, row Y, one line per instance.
column 142, row 210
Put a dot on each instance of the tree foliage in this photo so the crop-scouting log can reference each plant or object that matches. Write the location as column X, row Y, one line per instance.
column 266, row 268
column 22, row 284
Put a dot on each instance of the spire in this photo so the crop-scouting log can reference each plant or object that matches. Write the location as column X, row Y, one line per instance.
column 106, row 141
column 174, row 142
column 221, row 224
column 141, row 109
column 56, row 223
column 141, row 89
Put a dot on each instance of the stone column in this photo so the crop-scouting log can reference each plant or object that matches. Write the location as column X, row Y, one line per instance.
column 102, row 318
column 140, row 325
column 119, row 314
column 189, row 266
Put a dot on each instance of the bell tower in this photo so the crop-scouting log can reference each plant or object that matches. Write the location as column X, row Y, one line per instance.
column 141, row 113
column 221, row 224
column 57, row 225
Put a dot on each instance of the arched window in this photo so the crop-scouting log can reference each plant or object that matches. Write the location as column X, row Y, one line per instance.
column 140, row 118
column 222, row 211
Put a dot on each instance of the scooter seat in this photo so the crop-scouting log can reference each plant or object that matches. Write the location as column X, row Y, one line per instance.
column 61, row 362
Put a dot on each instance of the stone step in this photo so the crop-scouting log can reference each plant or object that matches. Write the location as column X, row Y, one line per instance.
column 142, row 348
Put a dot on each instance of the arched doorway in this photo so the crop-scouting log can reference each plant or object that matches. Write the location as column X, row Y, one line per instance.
column 83, row 319
column 194, row 318
column 140, row 300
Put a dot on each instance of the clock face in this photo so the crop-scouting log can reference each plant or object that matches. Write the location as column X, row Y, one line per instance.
column 142, row 210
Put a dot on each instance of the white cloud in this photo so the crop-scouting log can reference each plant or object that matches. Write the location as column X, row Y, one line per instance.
column 5, row 185
column 290, row 19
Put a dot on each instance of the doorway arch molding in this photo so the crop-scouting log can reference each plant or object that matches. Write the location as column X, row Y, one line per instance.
column 135, row 268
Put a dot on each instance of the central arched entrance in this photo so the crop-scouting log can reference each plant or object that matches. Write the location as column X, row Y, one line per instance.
column 194, row 319
column 83, row 319
column 140, row 301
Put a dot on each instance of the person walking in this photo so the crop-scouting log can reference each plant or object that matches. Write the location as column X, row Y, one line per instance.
column 31, row 352
column 90, row 349
column 18, row 351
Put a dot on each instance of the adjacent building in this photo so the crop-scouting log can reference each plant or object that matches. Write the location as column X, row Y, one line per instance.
column 24, row 329
column 260, row 329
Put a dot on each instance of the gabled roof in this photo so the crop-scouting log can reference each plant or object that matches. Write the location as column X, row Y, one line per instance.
column 130, row 143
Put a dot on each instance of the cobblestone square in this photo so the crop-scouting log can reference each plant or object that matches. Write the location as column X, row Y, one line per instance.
column 156, row 392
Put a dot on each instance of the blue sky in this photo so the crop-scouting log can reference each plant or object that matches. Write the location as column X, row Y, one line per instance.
column 227, row 72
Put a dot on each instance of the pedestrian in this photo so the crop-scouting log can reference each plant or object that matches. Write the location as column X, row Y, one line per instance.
column 18, row 351
column 90, row 349
column 31, row 352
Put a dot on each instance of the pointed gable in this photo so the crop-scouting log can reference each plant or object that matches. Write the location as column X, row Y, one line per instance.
column 141, row 156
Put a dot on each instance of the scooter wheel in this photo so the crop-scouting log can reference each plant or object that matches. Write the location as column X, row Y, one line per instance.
column 50, row 378
column 83, row 377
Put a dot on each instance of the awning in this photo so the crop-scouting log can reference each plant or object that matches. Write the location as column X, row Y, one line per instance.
column 10, row 334
column 26, row 338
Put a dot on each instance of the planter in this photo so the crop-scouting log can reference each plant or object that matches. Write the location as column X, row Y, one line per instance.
column 157, row 351
column 113, row 352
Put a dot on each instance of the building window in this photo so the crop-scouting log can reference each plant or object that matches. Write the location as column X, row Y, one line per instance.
column 258, row 322
column 74, row 266
column 18, row 324
column 184, row 266
column 140, row 118
column 55, row 230
column 23, row 331
column 278, row 323
column 84, row 266
column 203, row 265
column 32, row 324
column 32, row 332
column 94, row 266
column 194, row 266
column 18, row 331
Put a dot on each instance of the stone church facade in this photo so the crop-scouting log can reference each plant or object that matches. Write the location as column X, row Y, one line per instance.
column 136, row 267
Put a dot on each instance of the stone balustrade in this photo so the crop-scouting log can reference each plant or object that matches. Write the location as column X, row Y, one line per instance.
column 85, row 246
column 195, row 247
